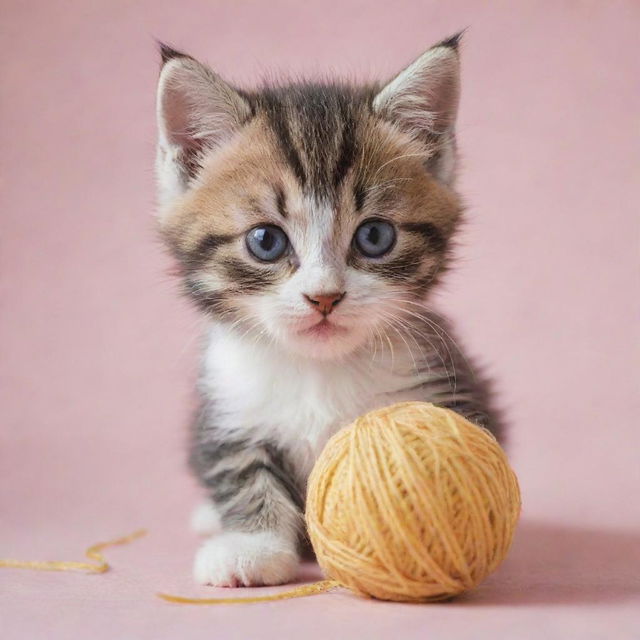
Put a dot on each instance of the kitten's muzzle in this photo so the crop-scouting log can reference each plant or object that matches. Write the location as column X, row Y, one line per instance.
column 324, row 303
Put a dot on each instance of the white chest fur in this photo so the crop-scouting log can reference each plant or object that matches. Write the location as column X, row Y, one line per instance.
column 263, row 393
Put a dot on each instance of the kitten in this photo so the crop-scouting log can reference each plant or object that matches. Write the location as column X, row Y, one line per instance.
column 310, row 222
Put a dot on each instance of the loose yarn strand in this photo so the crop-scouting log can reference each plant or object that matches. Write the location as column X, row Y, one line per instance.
column 299, row 592
column 94, row 552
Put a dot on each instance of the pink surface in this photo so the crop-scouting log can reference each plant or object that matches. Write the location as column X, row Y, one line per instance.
column 98, row 354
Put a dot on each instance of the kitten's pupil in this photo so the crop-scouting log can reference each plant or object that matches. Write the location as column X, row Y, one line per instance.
column 374, row 238
column 266, row 239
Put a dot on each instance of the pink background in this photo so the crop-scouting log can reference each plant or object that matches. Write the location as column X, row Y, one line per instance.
column 98, row 353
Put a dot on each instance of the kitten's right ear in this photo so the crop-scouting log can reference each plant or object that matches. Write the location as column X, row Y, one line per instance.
column 196, row 111
column 423, row 101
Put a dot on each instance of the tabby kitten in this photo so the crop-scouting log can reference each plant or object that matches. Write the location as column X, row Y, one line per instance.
column 310, row 221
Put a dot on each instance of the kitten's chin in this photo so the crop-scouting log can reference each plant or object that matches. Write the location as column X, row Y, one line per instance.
column 324, row 340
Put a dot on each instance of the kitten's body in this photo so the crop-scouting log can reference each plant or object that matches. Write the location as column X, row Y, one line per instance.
column 311, row 222
column 252, row 392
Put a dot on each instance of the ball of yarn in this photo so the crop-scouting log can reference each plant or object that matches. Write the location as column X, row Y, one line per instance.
column 412, row 503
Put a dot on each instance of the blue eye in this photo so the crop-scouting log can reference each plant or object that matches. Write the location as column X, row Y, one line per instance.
column 375, row 238
column 267, row 243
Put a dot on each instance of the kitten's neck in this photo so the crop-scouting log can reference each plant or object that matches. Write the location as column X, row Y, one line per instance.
column 262, row 392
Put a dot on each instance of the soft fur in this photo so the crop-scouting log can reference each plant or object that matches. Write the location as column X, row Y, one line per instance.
column 300, row 345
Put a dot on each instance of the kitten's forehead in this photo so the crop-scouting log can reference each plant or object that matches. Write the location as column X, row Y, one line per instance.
column 318, row 130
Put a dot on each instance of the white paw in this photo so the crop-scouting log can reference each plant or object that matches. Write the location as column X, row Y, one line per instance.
column 205, row 520
column 246, row 559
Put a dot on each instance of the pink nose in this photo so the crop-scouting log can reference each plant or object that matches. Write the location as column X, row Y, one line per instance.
column 324, row 303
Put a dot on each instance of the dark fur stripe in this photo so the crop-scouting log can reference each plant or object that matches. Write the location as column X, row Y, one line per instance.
column 347, row 149
column 207, row 247
column 429, row 232
column 278, row 121
column 225, row 484
column 359, row 195
column 400, row 268
column 281, row 202
column 208, row 301
column 404, row 266
column 249, row 280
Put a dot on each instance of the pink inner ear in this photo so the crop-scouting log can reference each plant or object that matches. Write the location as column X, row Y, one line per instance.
column 196, row 106
column 424, row 97
column 175, row 111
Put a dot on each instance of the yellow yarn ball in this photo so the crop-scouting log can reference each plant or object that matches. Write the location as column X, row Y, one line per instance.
column 412, row 503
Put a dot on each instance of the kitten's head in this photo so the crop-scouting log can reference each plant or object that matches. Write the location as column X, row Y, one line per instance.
column 310, row 214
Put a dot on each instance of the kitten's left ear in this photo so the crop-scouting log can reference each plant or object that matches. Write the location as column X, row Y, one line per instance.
column 196, row 111
column 423, row 101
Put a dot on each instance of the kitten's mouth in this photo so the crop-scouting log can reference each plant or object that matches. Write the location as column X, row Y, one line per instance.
column 324, row 329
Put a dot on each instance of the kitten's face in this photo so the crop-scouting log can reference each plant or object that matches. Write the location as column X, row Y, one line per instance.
column 314, row 221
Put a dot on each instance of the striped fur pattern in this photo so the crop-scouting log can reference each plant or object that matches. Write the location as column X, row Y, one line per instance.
column 310, row 222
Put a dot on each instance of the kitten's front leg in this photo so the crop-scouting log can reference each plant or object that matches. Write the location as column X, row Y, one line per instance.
column 259, row 509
